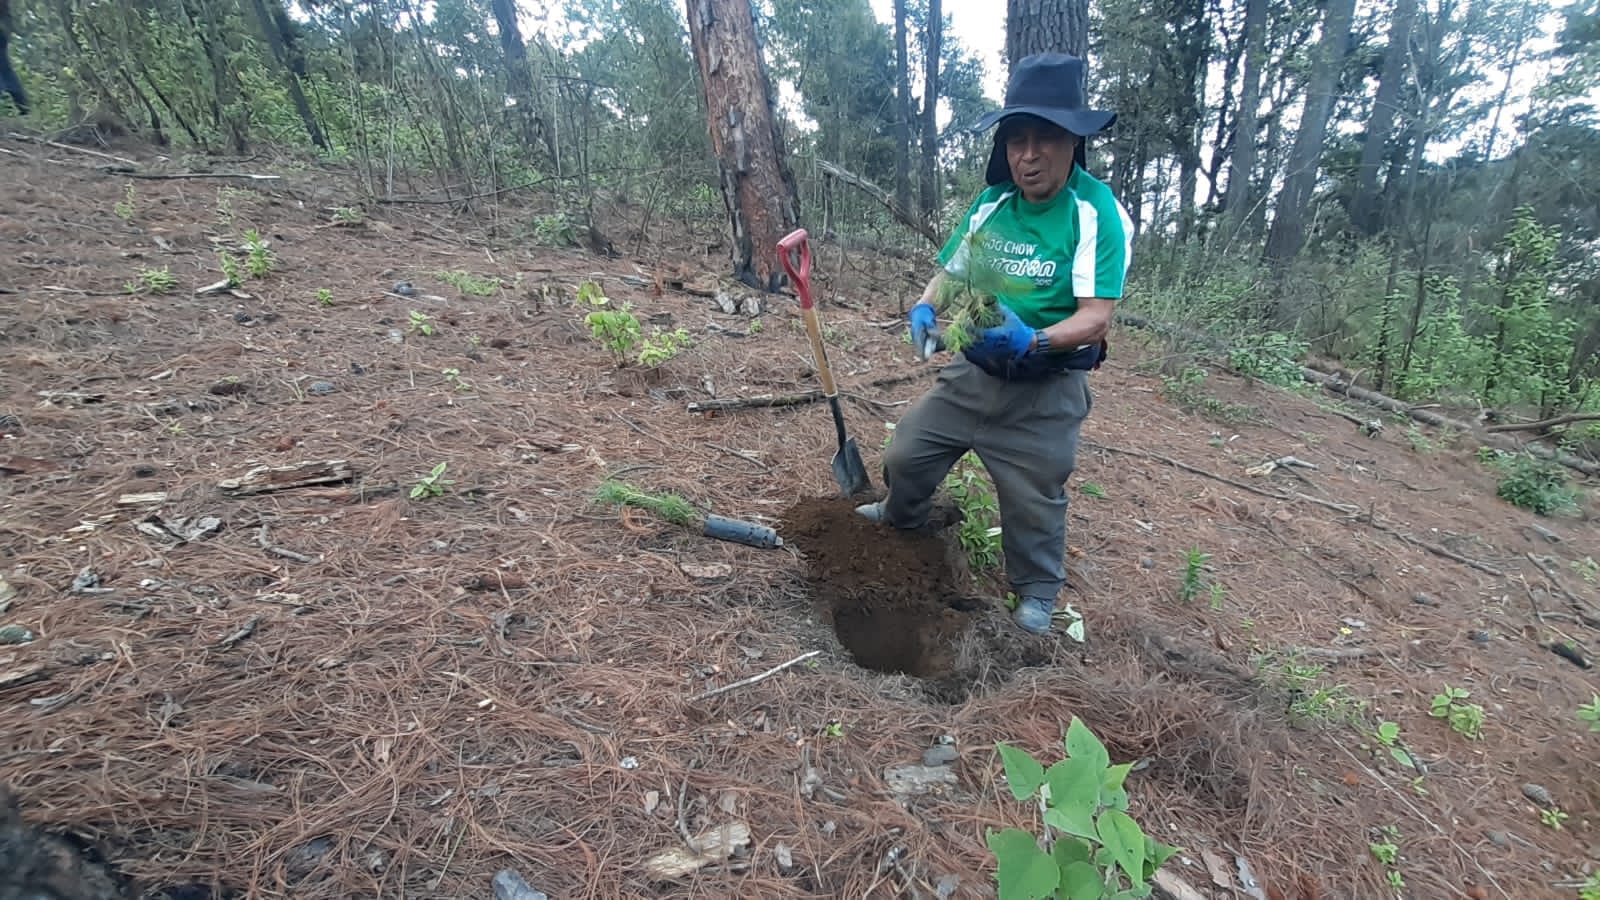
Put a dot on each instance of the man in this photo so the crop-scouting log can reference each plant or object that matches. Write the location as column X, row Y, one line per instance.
column 1018, row 393
column 9, row 82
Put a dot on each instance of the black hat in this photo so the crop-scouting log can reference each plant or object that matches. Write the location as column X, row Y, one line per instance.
column 1049, row 86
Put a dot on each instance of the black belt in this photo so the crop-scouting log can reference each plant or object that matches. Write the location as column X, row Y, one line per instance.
column 1039, row 366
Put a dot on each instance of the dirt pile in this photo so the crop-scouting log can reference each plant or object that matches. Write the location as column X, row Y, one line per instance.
column 893, row 596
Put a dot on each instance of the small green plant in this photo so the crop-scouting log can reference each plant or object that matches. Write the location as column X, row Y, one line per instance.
column 127, row 206
column 1090, row 489
column 555, row 230
column 664, row 345
column 834, row 729
column 1590, row 712
column 670, row 507
column 754, row 328
column 433, row 484
column 1534, row 484
column 468, row 283
column 453, row 377
column 1552, row 818
column 1310, row 698
column 420, row 323
column 324, row 297
column 1093, row 848
column 258, row 256
column 349, row 217
column 1466, row 719
column 972, row 297
column 969, row 486
column 1587, row 569
column 1387, row 852
column 1590, row 889
column 154, row 281
column 230, row 268
column 1419, row 441
column 1274, row 359
column 1185, row 390
column 1388, row 734
column 1194, row 569
column 1218, row 595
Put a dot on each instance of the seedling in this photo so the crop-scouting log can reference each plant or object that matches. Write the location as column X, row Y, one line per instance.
column 421, row 322
column 126, row 207
column 453, row 376
column 347, row 216
column 1095, row 849
column 1590, row 712
column 664, row 345
column 834, row 729
column 258, row 258
column 468, row 283
column 1587, row 569
column 973, row 297
column 1552, row 818
column 670, row 507
column 1466, row 719
column 1090, row 489
column 968, row 484
column 1194, row 566
column 230, row 268
column 433, row 484
column 155, row 281
column 1217, row 596
column 1590, row 889
column 1387, row 853
column 324, row 297
column 1388, row 734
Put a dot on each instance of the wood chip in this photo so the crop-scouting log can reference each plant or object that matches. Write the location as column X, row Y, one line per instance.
column 705, row 849
column 266, row 479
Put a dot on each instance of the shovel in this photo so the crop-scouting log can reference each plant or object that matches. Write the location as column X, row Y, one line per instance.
column 848, row 469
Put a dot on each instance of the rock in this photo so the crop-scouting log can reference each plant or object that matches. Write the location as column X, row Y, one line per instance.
column 304, row 859
column 87, row 580
column 946, row 886
column 940, row 755
column 1538, row 794
column 1478, row 635
column 1422, row 599
column 405, row 289
column 14, row 634
column 913, row 781
column 321, row 387
column 509, row 885
column 1498, row 838
column 1146, row 563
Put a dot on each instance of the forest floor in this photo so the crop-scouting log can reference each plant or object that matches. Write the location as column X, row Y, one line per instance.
column 342, row 690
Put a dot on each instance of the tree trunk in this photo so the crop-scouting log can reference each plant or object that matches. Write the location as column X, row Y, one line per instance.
column 9, row 82
column 519, row 77
column 1287, row 234
column 934, row 47
column 1364, row 204
column 902, row 112
column 227, row 111
column 1523, row 27
column 278, row 30
column 1040, row 26
column 757, row 187
column 1239, row 198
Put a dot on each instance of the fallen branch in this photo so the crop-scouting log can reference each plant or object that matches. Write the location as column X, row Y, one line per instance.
column 1547, row 423
column 725, row 404
column 60, row 146
column 742, row 455
column 1339, row 507
column 245, row 630
column 1587, row 614
column 1437, row 550
column 128, row 172
column 905, row 216
column 267, row 479
column 265, row 543
column 746, row 682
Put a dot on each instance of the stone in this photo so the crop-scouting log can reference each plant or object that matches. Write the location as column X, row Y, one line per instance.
column 509, row 885
column 940, row 755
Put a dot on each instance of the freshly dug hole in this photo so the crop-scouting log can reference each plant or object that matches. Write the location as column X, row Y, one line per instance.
column 891, row 595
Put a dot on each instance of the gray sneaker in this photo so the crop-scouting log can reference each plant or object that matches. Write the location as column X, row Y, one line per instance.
column 1033, row 614
column 872, row 512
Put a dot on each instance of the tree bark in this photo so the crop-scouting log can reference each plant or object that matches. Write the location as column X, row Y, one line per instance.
column 1287, row 233
column 1237, row 201
column 519, row 77
column 934, row 48
column 1364, row 206
column 279, row 32
column 226, row 109
column 9, row 82
column 758, row 188
column 902, row 117
column 1040, row 26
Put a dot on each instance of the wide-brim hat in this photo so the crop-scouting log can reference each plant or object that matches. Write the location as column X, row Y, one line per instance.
column 1050, row 87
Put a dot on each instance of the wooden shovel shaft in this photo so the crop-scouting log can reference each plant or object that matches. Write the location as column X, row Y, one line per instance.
column 820, row 353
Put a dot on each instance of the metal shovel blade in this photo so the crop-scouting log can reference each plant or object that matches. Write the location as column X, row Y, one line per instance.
column 849, row 471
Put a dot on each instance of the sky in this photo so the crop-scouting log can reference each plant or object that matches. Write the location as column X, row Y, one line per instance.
column 981, row 27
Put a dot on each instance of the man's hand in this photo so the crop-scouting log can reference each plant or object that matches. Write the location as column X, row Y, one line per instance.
column 924, row 330
column 1011, row 339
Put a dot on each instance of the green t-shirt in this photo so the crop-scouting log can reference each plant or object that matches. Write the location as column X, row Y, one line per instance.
column 1076, row 244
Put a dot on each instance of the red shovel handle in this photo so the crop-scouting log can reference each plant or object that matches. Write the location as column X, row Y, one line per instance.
column 799, row 270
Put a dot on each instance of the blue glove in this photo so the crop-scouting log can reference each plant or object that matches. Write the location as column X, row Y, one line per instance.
column 924, row 328
column 1010, row 340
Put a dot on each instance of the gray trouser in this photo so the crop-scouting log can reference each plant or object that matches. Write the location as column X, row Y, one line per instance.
column 1026, row 434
